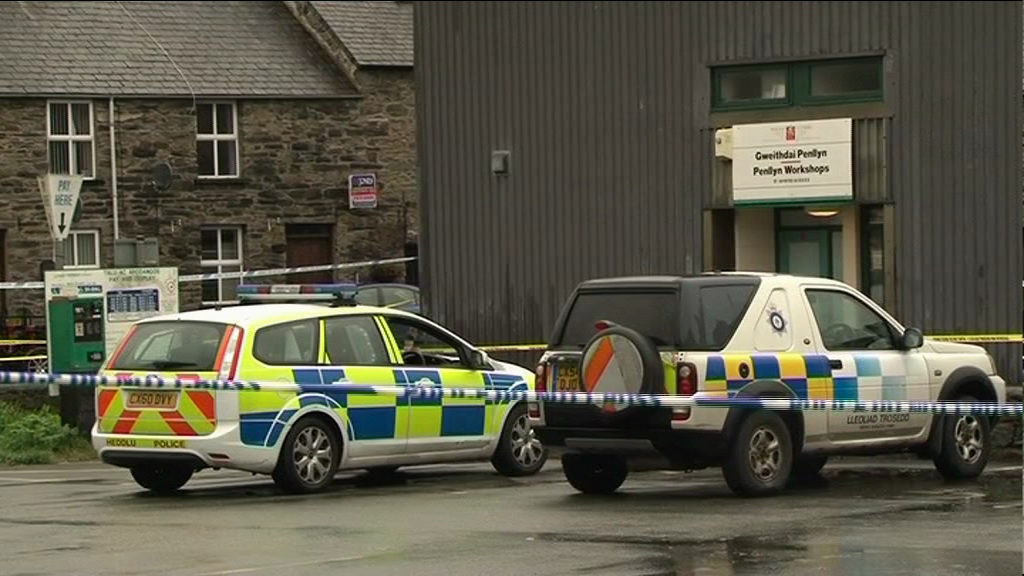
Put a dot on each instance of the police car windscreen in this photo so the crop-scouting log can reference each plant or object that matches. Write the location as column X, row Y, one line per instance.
column 172, row 345
column 649, row 312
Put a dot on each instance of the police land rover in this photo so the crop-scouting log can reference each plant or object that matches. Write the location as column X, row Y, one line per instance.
column 736, row 335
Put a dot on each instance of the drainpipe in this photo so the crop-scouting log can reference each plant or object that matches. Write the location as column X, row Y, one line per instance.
column 113, row 167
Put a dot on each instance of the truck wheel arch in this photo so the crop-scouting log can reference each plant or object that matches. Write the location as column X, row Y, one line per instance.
column 766, row 389
column 964, row 380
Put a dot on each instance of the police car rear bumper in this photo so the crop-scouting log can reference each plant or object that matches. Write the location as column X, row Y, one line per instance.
column 222, row 449
column 137, row 458
column 681, row 446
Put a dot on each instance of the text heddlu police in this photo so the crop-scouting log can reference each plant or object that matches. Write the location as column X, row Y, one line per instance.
column 791, row 162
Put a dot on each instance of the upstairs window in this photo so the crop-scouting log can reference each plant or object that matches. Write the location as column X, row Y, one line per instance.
column 70, row 143
column 798, row 84
column 753, row 86
column 217, row 139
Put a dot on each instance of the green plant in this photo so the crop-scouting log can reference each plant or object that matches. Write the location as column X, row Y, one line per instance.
column 35, row 436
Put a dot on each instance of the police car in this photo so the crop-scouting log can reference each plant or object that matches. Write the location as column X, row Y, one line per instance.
column 751, row 335
column 308, row 336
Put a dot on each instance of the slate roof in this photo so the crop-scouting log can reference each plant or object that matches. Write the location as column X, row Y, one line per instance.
column 376, row 33
column 223, row 48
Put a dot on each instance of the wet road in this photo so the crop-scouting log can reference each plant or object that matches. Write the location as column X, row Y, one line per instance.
column 866, row 517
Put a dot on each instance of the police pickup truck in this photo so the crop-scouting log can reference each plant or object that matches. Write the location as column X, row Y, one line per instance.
column 736, row 335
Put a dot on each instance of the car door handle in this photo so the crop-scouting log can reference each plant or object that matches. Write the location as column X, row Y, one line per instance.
column 836, row 364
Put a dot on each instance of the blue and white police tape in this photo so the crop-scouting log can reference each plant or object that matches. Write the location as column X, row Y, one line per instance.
column 429, row 390
column 36, row 284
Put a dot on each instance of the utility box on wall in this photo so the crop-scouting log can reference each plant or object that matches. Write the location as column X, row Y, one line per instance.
column 139, row 252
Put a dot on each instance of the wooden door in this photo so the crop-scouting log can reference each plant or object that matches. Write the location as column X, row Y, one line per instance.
column 309, row 245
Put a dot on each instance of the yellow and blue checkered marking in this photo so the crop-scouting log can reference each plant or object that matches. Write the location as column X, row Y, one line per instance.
column 371, row 416
column 809, row 376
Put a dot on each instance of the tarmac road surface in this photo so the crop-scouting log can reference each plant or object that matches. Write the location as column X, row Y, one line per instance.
column 869, row 516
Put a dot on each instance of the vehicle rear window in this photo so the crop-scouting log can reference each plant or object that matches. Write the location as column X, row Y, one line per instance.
column 172, row 345
column 649, row 313
column 707, row 320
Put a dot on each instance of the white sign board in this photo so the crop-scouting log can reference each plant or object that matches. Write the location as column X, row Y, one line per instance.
column 362, row 191
column 800, row 161
column 60, row 197
column 128, row 294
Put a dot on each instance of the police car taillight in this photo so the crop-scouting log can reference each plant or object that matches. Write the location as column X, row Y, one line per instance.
column 686, row 385
column 540, row 385
column 686, row 379
column 228, row 365
column 542, row 378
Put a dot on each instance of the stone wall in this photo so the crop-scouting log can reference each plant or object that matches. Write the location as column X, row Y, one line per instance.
column 391, row 95
column 295, row 158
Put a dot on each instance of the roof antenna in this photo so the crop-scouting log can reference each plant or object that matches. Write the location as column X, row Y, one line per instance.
column 166, row 53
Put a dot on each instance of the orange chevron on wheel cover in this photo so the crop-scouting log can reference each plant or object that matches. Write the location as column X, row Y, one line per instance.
column 612, row 365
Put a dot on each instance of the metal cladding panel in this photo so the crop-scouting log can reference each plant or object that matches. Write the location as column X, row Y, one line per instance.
column 604, row 107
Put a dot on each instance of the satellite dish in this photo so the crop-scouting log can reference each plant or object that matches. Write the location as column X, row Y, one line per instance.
column 162, row 176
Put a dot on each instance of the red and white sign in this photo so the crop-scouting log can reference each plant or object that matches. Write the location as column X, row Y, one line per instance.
column 362, row 191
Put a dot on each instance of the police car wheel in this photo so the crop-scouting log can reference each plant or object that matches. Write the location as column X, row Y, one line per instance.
column 309, row 457
column 760, row 456
column 594, row 474
column 519, row 451
column 966, row 444
column 162, row 480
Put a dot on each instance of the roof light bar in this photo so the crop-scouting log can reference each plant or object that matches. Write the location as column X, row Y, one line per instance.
column 299, row 292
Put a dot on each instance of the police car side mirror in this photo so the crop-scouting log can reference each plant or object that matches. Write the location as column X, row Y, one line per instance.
column 912, row 338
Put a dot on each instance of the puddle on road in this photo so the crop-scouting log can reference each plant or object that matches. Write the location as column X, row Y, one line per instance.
column 791, row 554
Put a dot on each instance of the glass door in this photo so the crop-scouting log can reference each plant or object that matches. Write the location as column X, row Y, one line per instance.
column 807, row 252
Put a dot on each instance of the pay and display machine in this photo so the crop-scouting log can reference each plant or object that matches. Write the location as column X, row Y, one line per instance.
column 77, row 335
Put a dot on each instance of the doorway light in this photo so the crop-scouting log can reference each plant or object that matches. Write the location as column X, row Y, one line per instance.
column 821, row 212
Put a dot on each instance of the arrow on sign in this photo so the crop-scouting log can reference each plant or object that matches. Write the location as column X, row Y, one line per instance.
column 60, row 193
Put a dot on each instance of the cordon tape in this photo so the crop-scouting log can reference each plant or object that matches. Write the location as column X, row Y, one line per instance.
column 250, row 274
column 963, row 338
column 427, row 392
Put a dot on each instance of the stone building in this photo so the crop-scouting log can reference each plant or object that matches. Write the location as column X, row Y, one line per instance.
column 262, row 111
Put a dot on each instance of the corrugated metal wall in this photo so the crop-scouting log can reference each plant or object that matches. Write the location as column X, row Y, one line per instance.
column 605, row 109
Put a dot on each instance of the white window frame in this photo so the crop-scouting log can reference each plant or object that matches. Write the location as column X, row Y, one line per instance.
column 71, row 249
column 215, row 138
column 220, row 262
column 70, row 139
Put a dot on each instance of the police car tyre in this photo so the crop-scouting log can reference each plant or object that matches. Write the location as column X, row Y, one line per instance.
column 519, row 451
column 966, row 444
column 760, row 456
column 160, row 479
column 594, row 474
column 309, row 457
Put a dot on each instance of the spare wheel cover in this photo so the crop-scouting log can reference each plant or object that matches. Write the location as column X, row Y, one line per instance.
column 619, row 360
